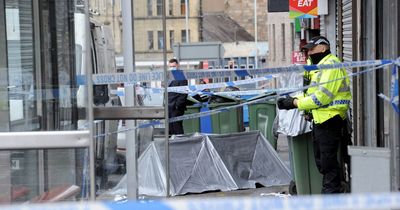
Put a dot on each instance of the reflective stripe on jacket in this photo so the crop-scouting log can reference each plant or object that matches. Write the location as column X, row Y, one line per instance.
column 328, row 99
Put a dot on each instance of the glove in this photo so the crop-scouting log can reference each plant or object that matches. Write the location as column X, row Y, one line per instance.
column 286, row 103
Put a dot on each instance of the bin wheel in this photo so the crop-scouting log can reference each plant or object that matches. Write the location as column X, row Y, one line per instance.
column 292, row 188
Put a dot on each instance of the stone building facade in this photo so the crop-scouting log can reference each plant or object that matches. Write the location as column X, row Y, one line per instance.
column 242, row 11
column 149, row 40
column 281, row 39
column 276, row 28
column 148, row 27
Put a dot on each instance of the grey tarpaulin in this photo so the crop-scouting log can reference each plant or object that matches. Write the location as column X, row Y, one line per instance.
column 202, row 163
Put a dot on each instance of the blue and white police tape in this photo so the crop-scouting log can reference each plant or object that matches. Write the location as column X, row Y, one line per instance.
column 198, row 74
column 243, row 93
column 280, row 92
column 194, row 89
column 17, row 79
column 283, row 91
column 140, row 125
column 394, row 90
column 131, row 78
column 384, row 97
column 371, row 201
column 65, row 92
column 223, row 93
column 394, row 100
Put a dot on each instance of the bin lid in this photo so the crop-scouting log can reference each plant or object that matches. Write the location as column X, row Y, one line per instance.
column 223, row 99
column 264, row 95
column 201, row 97
column 191, row 101
column 369, row 151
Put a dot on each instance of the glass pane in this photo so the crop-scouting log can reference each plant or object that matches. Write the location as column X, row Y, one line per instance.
column 43, row 175
column 160, row 36
column 44, row 57
column 21, row 66
column 41, row 66
column 149, row 7
column 159, row 7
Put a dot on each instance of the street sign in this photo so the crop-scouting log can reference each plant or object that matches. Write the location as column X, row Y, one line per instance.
column 198, row 51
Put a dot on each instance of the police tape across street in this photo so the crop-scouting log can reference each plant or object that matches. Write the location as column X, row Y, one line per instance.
column 134, row 77
column 194, row 89
column 194, row 74
column 279, row 92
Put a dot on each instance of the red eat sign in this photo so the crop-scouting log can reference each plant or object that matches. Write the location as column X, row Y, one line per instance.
column 304, row 6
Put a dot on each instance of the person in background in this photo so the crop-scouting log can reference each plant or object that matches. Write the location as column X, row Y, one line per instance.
column 202, row 82
column 176, row 101
column 326, row 104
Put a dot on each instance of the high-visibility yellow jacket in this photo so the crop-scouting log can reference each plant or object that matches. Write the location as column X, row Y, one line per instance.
column 328, row 99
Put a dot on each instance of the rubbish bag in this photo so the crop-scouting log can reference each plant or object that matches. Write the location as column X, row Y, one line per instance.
column 292, row 123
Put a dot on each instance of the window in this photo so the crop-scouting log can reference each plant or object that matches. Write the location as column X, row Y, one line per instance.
column 149, row 7
column 183, row 35
column 159, row 7
column 160, row 42
column 274, row 42
column 292, row 34
column 171, row 39
column 283, row 42
column 150, row 40
column 171, row 8
column 183, row 7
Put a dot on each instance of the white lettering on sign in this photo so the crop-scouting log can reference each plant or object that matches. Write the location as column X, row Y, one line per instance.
column 304, row 3
column 298, row 57
column 15, row 164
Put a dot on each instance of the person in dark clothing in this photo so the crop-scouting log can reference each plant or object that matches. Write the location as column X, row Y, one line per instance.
column 326, row 105
column 176, row 101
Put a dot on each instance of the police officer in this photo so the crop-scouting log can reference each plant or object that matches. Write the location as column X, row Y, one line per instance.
column 176, row 101
column 327, row 104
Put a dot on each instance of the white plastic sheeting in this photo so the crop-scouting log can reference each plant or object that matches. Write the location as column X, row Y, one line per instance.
column 202, row 163
column 292, row 122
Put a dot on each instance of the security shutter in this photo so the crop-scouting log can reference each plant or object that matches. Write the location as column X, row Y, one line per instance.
column 345, row 43
column 322, row 26
column 347, row 30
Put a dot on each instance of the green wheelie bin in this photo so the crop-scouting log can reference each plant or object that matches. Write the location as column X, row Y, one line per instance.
column 305, row 173
column 227, row 121
column 262, row 116
column 192, row 125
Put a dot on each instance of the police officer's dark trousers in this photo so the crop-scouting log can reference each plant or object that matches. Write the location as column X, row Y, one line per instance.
column 175, row 127
column 326, row 139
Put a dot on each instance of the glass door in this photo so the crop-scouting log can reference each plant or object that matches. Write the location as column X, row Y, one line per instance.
column 38, row 93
